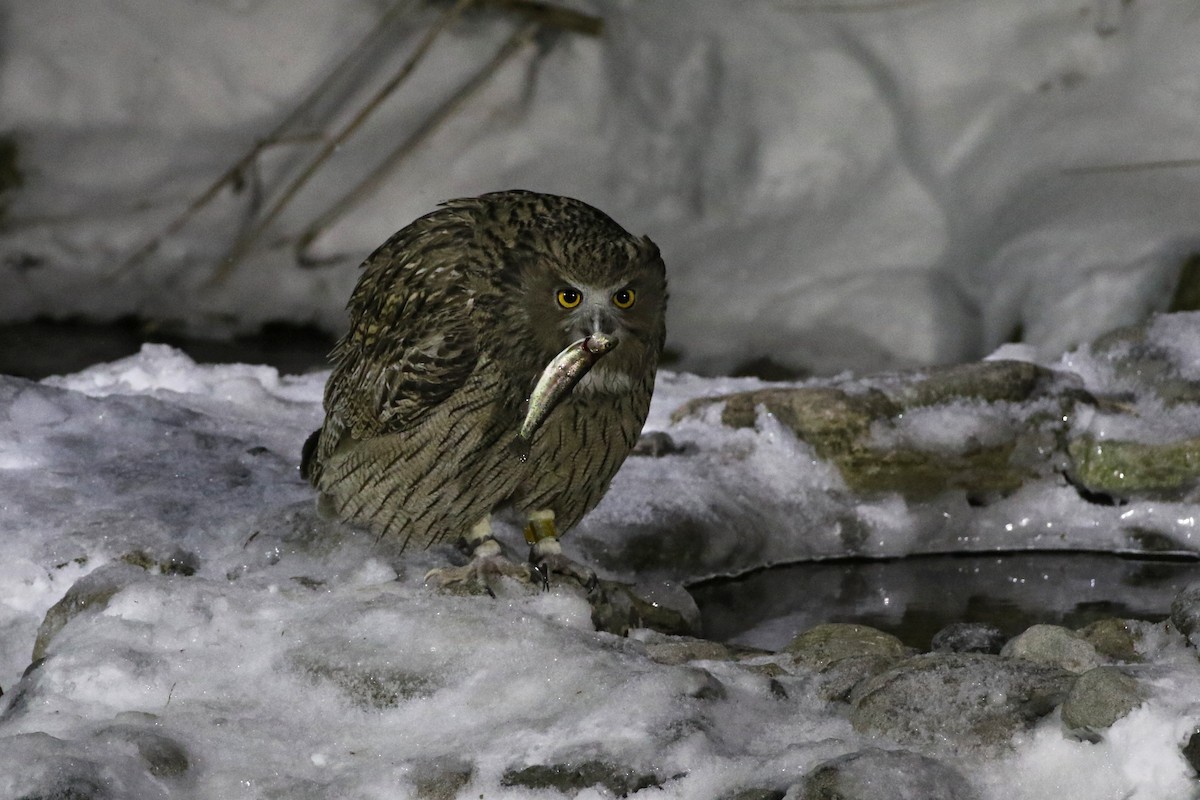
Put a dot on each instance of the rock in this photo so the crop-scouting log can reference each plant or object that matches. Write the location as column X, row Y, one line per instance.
column 572, row 778
column 90, row 593
column 1100, row 697
column 164, row 756
column 1127, row 469
column 963, row 701
column 1116, row 638
column 621, row 607
column 823, row 645
column 675, row 650
column 836, row 681
column 443, row 779
column 990, row 381
column 1185, row 613
column 840, row 428
column 1191, row 750
column 369, row 686
column 878, row 774
column 755, row 794
column 1052, row 644
column 968, row 637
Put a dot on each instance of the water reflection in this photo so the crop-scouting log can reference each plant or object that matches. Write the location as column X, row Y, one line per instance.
column 915, row 597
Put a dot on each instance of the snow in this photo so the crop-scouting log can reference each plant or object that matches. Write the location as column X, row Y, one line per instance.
column 835, row 186
column 305, row 660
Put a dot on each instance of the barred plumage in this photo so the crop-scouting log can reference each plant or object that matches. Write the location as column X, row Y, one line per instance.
column 451, row 324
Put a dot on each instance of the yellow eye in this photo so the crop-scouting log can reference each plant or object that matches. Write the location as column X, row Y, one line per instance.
column 569, row 297
column 624, row 298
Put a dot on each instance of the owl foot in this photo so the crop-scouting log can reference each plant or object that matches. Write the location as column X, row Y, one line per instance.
column 487, row 565
column 547, row 559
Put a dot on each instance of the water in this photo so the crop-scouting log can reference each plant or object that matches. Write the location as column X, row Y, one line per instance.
column 914, row 597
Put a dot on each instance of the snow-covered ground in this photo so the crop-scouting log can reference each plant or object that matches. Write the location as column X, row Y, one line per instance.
column 222, row 641
column 851, row 185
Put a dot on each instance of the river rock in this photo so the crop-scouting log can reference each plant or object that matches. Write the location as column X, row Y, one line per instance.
column 1052, row 644
column 1185, row 613
column 819, row 647
column 1099, row 697
column 960, row 701
column 1117, row 639
column 878, row 774
column 573, row 778
column 90, row 593
column 968, row 637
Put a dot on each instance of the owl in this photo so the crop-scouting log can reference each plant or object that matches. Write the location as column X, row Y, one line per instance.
column 452, row 322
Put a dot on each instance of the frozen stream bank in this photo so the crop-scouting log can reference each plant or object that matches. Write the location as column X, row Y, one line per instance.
column 217, row 639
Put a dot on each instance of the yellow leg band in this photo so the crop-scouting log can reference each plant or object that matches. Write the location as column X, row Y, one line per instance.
column 541, row 526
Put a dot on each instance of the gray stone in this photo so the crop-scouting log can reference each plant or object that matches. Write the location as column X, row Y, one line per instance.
column 837, row 680
column 1052, row 644
column 968, row 637
column 1099, row 698
column 1117, row 639
column 1185, row 613
column 960, row 701
column 885, row 775
column 164, row 756
column 838, row 425
column 675, row 650
column 90, row 593
column 823, row 645
column 572, row 778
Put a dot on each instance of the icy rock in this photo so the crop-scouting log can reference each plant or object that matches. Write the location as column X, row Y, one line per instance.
column 895, row 774
column 621, row 607
column 37, row 766
column 1055, row 645
column 1191, row 751
column 1185, row 613
column 441, row 780
column 1136, row 354
column 755, row 794
column 841, row 428
column 826, row 644
column 961, row 700
column 370, row 687
column 676, row 650
column 1117, row 639
column 836, row 681
column 90, row 593
column 1128, row 469
column 164, row 757
column 573, row 778
column 968, row 637
column 1099, row 697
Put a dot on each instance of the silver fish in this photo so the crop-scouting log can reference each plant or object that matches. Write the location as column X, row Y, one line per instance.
column 557, row 380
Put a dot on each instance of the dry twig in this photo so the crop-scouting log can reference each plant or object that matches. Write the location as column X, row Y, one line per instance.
column 247, row 241
column 279, row 134
column 432, row 123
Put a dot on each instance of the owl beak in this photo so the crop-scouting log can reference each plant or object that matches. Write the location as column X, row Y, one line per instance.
column 601, row 322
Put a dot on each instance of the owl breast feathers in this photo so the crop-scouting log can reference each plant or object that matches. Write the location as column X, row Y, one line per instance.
column 451, row 324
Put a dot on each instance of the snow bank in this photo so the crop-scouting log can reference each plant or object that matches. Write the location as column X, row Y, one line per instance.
column 833, row 185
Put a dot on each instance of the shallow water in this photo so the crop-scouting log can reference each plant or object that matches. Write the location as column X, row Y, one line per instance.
column 917, row 596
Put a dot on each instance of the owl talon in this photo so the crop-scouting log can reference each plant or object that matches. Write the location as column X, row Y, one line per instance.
column 546, row 558
column 477, row 576
column 488, row 562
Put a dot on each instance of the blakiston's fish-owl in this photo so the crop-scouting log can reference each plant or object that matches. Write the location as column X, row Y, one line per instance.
column 452, row 322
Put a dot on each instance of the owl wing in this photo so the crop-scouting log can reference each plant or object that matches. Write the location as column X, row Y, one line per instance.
column 388, row 382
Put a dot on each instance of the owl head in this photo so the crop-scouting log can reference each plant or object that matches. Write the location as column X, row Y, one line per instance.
column 567, row 271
